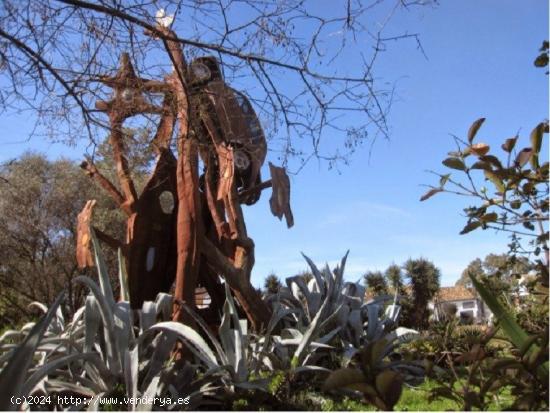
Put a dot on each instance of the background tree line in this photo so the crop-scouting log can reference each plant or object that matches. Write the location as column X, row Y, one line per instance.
column 416, row 281
column 39, row 202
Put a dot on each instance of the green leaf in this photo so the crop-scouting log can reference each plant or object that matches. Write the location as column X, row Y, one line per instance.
column 507, row 322
column 311, row 368
column 536, row 136
column 509, row 144
column 92, row 321
column 317, row 274
column 106, row 312
column 482, row 165
column 364, row 388
column 490, row 217
column 523, row 157
column 541, row 60
column 237, row 335
column 454, row 163
column 200, row 321
column 493, row 160
column 443, row 392
column 470, row 227
column 491, row 176
column 529, row 225
column 536, row 143
column 430, row 193
column 506, row 363
column 389, row 385
column 377, row 351
column 527, row 345
column 148, row 395
column 131, row 369
column 474, row 128
column 443, row 180
column 311, row 331
column 343, row 378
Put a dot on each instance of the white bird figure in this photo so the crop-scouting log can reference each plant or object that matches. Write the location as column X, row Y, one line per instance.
column 163, row 19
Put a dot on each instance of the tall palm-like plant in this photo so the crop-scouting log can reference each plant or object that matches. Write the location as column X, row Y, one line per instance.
column 395, row 278
column 376, row 283
column 272, row 284
column 424, row 279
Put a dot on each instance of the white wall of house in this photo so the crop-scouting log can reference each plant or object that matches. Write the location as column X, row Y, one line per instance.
column 475, row 307
column 470, row 307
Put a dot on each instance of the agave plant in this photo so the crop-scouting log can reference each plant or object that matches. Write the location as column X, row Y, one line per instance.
column 107, row 349
column 328, row 308
column 327, row 315
column 99, row 350
column 230, row 355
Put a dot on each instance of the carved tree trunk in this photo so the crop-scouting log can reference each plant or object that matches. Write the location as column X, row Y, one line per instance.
column 192, row 237
column 188, row 227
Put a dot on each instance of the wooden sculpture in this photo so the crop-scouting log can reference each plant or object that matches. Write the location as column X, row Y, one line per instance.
column 183, row 227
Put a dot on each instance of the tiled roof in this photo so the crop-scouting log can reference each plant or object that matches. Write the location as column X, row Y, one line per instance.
column 457, row 293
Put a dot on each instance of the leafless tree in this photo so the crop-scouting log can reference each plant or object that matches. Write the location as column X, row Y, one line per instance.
column 285, row 55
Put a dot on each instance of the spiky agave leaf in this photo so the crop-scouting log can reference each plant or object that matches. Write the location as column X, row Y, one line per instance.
column 54, row 365
column 13, row 374
column 321, row 282
column 217, row 346
column 103, row 275
column 309, row 334
column 123, row 277
column 232, row 338
column 107, row 318
column 131, row 371
column 190, row 337
column 92, row 320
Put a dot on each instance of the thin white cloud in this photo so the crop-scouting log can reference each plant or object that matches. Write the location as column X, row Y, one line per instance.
column 361, row 211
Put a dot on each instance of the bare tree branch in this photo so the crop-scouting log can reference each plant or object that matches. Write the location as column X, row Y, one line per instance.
column 284, row 55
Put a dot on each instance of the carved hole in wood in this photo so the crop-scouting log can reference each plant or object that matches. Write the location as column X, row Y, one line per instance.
column 166, row 201
column 128, row 95
column 150, row 260
column 241, row 160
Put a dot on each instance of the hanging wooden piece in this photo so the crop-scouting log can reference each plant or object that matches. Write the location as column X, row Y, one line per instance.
column 280, row 197
column 84, row 256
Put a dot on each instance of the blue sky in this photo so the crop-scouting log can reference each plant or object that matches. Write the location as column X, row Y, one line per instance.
column 479, row 64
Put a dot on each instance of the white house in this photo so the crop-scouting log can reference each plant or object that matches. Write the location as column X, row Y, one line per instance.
column 467, row 304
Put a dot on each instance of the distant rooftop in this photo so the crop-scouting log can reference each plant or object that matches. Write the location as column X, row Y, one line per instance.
column 457, row 293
